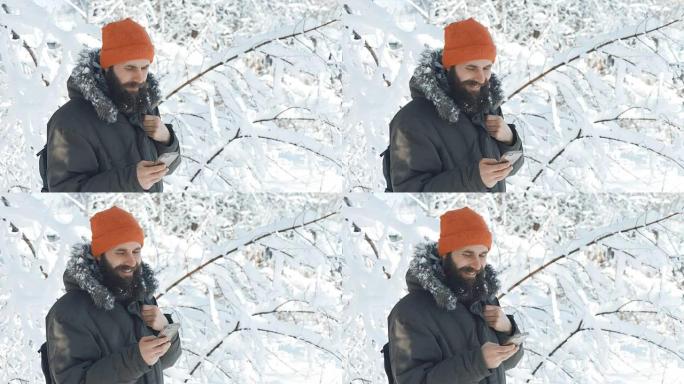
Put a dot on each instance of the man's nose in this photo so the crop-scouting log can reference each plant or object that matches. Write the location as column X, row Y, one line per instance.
column 480, row 76
column 130, row 260
column 138, row 76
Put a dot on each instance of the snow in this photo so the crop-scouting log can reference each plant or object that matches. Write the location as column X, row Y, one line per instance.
column 340, row 101
column 300, row 256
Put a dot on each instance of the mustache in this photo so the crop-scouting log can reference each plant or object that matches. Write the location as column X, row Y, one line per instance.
column 470, row 269
column 127, row 268
column 134, row 84
column 473, row 82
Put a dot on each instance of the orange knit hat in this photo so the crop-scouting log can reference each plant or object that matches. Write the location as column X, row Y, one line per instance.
column 460, row 228
column 112, row 227
column 467, row 40
column 124, row 40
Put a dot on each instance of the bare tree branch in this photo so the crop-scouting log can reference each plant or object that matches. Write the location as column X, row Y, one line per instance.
column 367, row 46
column 592, row 242
column 235, row 248
column 238, row 135
column 24, row 238
column 541, row 75
column 238, row 328
column 581, row 136
column 251, row 49
column 368, row 240
column 31, row 52
column 581, row 329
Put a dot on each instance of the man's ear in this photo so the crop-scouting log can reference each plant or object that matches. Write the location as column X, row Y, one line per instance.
column 445, row 260
column 451, row 76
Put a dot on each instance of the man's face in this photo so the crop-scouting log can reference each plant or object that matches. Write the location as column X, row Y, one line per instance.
column 127, row 84
column 124, row 259
column 468, row 262
column 473, row 75
column 121, row 269
column 132, row 74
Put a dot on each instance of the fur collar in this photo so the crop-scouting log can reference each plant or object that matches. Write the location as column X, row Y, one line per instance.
column 425, row 272
column 430, row 81
column 82, row 272
column 87, row 81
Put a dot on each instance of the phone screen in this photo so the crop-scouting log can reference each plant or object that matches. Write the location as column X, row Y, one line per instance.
column 168, row 158
column 511, row 157
column 517, row 339
column 170, row 330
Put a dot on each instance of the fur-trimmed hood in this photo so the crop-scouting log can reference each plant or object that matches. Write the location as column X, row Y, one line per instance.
column 430, row 81
column 426, row 273
column 82, row 273
column 88, row 82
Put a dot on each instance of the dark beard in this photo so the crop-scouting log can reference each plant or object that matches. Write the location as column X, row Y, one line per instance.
column 124, row 289
column 466, row 291
column 466, row 101
column 127, row 102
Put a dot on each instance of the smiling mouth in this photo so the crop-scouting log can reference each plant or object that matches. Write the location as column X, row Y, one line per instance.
column 469, row 274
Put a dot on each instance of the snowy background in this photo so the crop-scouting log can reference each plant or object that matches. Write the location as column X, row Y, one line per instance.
column 596, row 280
column 297, row 95
column 253, row 280
column 297, row 288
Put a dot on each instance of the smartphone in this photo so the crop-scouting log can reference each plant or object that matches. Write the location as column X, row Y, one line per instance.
column 511, row 156
column 170, row 331
column 517, row 339
column 167, row 158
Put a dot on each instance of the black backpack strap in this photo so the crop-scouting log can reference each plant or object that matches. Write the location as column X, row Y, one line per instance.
column 44, row 363
column 386, row 169
column 388, row 364
column 42, row 167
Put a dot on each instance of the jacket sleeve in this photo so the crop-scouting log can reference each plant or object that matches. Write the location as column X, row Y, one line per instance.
column 416, row 167
column 76, row 359
column 172, row 355
column 173, row 146
column 174, row 352
column 503, row 339
column 417, row 359
column 72, row 165
column 516, row 146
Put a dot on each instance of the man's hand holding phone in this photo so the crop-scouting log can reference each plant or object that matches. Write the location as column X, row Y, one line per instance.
column 517, row 339
column 152, row 348
column 150, row 172
column 492, row 171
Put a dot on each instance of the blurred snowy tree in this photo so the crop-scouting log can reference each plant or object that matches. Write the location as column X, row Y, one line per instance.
column 595, row 279
column 297, row 288
column 297, row 96
column 253, row 279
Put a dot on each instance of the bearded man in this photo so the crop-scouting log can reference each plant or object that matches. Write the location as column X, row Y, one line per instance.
column 451, row 136
column 106, row 327
column 109, row 136
column 450, row 328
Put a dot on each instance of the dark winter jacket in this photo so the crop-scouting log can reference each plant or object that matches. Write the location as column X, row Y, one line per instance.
column 91, row 145
column 434, row 338
column 93, row 339
column 436, row 147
